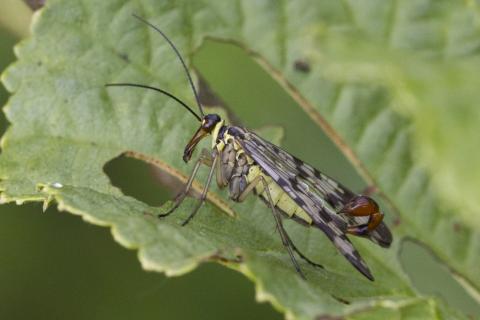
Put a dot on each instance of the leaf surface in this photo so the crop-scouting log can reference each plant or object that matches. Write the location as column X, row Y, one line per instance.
column 65, row 126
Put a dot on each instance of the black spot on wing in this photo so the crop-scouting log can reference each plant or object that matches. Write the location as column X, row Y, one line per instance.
column 346, row 248
column 336, row 202
column 293, row 183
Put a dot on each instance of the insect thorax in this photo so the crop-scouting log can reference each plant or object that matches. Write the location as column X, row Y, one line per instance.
column 238, row 170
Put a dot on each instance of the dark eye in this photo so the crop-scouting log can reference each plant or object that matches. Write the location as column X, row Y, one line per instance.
column 208, row 124
column 210, row 121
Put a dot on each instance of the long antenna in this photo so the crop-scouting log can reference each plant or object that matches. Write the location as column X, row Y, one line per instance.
column 179, row 57
column 158, row 90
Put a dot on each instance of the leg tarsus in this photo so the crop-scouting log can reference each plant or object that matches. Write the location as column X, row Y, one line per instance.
column 194, row 212
column 294, row 261
column 301, row 255
column 166, row 214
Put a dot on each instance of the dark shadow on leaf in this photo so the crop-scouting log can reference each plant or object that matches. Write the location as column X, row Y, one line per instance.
column 35, row 4
column 342, row 300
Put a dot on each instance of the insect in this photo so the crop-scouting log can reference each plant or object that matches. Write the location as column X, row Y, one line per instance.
column 246, row 163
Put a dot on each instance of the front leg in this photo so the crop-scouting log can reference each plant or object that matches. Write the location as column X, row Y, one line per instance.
column 220, row 176
column 205, row 189
column 226, row 165
column 206, row 159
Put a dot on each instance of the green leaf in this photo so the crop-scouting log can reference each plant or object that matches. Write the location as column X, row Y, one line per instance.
column 365, row 88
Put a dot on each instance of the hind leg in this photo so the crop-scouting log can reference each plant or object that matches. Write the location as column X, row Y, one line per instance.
column 301, row 255
column 286, row 240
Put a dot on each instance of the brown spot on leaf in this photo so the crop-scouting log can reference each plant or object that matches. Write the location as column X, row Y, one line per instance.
column 370, row 190
column 396, row 222
column 35, row 4
column 235, row 260
column 302, row 66
column 124, row 57
column 457, row 227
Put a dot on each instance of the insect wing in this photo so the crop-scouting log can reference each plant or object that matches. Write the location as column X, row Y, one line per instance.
column 284, row 169
column 325, row 189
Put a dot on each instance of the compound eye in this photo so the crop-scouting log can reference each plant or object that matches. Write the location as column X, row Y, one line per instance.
column 209, row 121
column 208, row 125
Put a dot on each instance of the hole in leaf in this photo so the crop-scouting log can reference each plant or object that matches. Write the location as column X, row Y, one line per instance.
column 142, row 180
column 429, row 276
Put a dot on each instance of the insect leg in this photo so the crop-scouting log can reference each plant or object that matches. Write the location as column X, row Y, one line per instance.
column 204, row 158
column 242, row 197
column 221, row 180
column 303, row 256
column 205, row 190
column 287, row 243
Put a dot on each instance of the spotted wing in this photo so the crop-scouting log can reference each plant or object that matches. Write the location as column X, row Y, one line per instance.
column 327, row 189
column 289, row 174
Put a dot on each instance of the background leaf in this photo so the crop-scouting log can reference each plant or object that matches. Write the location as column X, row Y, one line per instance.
column 66, row 126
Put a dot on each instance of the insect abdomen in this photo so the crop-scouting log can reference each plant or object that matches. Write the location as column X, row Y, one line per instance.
column 281, row 200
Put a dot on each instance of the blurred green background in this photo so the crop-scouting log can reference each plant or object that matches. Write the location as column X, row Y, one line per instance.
column 55, row 266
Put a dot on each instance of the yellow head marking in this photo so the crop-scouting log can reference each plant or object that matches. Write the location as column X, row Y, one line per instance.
column 215, row 133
